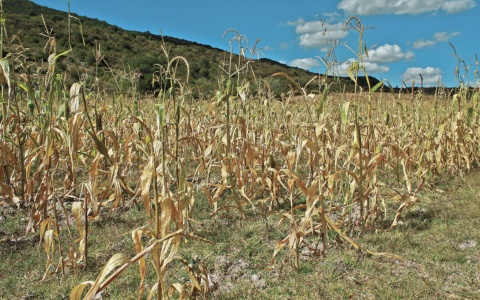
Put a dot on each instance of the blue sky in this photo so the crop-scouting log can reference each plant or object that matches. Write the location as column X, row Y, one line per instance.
column 409, row 37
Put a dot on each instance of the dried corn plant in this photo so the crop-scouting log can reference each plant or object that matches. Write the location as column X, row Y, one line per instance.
column 334, row 164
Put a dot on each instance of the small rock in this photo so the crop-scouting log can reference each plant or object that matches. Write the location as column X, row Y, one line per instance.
column 257, row 281
column 212, row 282
column 468, row 244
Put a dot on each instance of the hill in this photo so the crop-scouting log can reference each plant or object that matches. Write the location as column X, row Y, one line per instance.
column 41, row 30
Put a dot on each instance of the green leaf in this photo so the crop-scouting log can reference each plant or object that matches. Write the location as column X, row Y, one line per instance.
column 81, row 34
column 353, row 70
column 365, row 50
column 99, row 145
column 23, row 86
column 62, row 54
column 376, row 87
column 31, row 105
column 160, row 114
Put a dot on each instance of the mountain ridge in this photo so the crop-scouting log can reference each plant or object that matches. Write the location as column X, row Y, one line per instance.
column 35, row 25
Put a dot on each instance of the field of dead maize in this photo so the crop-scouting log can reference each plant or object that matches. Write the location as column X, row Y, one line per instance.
column 329, row 168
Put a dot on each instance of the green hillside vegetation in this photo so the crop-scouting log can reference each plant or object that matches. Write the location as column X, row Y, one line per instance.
column 124, row 52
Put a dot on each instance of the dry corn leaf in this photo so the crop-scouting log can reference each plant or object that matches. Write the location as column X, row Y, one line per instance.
column 146, row 179
column 114, row 262
column 137, row 240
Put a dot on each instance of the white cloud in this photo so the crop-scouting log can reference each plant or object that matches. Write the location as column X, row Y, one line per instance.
column 437, row 37
column 331, row 15
column 402, row 7
column 445, row 36
column 430, row 75
column 267, row 48
column 455, row 6
column 284, row 45
column 318, row 34
column 371, row 67
column 388, row 53
column 304, row 63
column 422, row 43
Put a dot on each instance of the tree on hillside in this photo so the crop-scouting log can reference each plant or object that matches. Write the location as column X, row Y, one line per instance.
column 146, row 66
